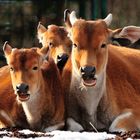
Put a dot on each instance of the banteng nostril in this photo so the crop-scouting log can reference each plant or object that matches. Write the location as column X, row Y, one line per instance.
column 26, row 87
column 17, row 87
column 82, row 69
column 93, row 70
column 61, row 60
column 62, row 57
column 59, row 57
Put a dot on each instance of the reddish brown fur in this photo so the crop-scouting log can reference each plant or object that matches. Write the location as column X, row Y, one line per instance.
column 81, row 53
column 55, row 40
column 50, row 109
column 53, row 80
column 8, row 102
column 114, row 103
column 123, row 74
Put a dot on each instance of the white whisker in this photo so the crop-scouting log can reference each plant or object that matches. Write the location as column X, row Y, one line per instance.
column 82, row 87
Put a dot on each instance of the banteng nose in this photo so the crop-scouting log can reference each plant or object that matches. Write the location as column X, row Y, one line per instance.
column 62, row 57
column 88, row 72
column 61, row 60
column 22, row 88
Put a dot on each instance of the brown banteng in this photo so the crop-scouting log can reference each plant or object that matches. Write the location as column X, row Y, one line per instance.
column 33, row 96
column 55, row 42
column 102, row 81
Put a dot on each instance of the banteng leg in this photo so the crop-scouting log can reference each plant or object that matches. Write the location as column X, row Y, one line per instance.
column 73, row 125
column 5, row 120
column 127, row 121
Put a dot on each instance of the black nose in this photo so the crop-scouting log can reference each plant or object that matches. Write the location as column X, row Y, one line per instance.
column 88, row 72
column 22, row 88
column 61, row 60
column 62, row 57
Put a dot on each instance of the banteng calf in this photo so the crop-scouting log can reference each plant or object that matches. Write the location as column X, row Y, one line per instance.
column 32, row 97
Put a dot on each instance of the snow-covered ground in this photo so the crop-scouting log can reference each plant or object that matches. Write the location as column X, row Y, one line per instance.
column 57, row 135
column 64, row 135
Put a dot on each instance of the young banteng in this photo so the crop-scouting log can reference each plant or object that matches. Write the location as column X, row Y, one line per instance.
column 101, row 81
column 32, row 97
column 55, row 42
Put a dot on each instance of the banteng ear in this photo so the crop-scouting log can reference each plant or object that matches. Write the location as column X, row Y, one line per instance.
column 108, row 19
column 116, row 39
column 7, row 48
column 73, row 17
column 40, row 30
column 44, row 52
column 130, row 32
column 41, row 55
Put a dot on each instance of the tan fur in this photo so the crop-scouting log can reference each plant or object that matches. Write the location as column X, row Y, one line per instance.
column 54, row 40
column 8, row 103
column 113, row 103
column 45, row 106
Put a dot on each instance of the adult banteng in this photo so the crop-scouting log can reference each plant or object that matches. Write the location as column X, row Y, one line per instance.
column 101, row 81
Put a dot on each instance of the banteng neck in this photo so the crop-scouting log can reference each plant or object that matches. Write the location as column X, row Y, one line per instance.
column 33, row 108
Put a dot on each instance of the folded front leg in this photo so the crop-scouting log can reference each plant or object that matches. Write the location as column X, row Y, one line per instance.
column 5, row 120
column 72, row 125
column 127, row 121
column 58, row 126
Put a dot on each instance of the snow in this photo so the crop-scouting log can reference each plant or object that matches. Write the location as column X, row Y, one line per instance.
column 66, row 135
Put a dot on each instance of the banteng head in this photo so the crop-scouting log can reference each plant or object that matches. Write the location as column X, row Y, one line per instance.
column 89, row 52
column 24, row 65
column 56, row 43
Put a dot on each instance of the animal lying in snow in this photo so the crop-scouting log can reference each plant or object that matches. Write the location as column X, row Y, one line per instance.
column 101, row 81
column 31, row 95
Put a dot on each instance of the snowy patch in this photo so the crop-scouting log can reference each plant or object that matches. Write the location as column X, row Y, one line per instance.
column 64, row 135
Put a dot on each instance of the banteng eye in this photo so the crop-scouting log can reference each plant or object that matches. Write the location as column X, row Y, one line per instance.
column 11, row 69
column 35, row 68
column 103, row 46
column 75, row 45
column 51, row 44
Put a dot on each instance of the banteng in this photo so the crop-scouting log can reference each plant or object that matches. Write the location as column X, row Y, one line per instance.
column 55, row 42
column 101, row 81
column 32, row 97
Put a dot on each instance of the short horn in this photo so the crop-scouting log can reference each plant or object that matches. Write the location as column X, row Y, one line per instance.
column 108, row 19
column 66, row 13
column 73, row 17
column 39, row 24
column 7, row 48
